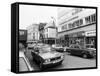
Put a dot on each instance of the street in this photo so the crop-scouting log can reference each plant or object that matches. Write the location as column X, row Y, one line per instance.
column 68, row 63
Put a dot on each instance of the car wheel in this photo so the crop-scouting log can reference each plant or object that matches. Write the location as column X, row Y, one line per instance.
column 84, row 55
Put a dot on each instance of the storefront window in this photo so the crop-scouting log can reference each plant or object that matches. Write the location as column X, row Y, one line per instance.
column 91, row 40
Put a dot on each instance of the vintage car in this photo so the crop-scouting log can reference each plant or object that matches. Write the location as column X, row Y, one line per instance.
column 58, row 48
column 46, row 56
column 90, row 46
column 31, row 44
column 24, row 64
column 75, row 49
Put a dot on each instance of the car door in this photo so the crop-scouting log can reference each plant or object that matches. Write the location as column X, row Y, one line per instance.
column 37, row 54
column 77, row 50
column 72, row 49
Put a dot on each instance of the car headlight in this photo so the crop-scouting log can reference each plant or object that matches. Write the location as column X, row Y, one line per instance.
column 62, row 57
column 47, row 60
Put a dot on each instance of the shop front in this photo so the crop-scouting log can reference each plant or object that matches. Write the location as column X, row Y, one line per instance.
column 49, row 41
column 91, row 38
column 75, row 38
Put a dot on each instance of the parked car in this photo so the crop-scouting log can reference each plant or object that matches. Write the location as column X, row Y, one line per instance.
column 31, row 44
column 46, row 56
column 90, row 46
column 58, row 48
column 24, row 64
column 81, row 51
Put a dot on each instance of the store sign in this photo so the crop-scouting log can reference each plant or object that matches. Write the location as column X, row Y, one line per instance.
column 90, row 33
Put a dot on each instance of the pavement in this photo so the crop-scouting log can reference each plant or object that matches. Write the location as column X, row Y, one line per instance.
column 70, row 62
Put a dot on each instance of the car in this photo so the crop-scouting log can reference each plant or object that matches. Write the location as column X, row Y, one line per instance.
column 90, row 46
column 31, row 44
column 45, row 56
column 38, row 45
column 67, row 49
column 58, row 48
column 78, row 50
column 24, row 64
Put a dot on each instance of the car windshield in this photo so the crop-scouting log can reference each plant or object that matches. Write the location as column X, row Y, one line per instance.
column 56, row 45
column 77, row 46
column 46, row 49
column 90, row 46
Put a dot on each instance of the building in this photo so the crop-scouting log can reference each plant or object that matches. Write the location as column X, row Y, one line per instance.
column 41, row 30
column 78, row 25
column 50, row 33
column 23, row 36
column 33, row 32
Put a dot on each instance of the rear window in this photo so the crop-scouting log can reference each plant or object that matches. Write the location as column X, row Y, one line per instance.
column 22, row 65
column 71, row 46
column 90, row 46
column 76, row 46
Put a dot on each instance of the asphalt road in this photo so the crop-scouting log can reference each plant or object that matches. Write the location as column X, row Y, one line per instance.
column 68, row 63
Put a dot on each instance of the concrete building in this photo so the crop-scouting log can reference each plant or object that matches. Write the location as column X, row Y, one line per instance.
column 41, row 31
column 50, row 33
column 33, row 32
column 78, row 25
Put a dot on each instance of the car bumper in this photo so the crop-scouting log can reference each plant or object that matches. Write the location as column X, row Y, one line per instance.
column 92, row 55
column 60, row 50
column 53, row 63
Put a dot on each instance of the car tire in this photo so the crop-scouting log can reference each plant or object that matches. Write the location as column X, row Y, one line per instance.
column 84, row 56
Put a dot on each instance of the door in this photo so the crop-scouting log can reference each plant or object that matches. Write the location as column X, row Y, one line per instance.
column 77, row 50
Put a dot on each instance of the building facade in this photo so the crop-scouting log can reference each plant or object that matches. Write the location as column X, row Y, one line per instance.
column 23, row 36
column 33, row 32
column 78, row 25
column 50, row 33
column 41, row 30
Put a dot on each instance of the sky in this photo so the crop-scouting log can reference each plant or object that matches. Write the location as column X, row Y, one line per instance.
column 30, row 14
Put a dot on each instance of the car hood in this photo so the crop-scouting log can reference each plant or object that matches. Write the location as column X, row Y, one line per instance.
column 88, row 49
column 58, row 47
column 91, row 48
column 50, row 55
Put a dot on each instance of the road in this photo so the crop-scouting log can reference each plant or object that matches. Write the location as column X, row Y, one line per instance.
column 68, row 63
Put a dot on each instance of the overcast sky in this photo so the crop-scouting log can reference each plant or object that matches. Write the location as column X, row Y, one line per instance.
column 29, row 14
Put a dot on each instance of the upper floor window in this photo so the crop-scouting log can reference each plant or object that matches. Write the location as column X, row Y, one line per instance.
column 75, row 24
column 64, row 27
column 90, row 19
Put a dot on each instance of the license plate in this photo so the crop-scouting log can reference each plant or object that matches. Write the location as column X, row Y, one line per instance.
column 55, row 61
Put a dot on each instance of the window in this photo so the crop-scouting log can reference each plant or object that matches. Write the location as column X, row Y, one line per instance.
column 93, row 17
column 75, row 23
column 64, row 27
column 71, row 46
column 69, row 25
column 81, row 21
column 90, row 19
column 76, row 47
